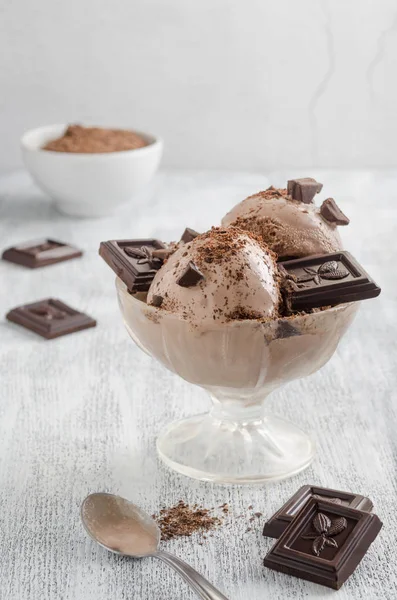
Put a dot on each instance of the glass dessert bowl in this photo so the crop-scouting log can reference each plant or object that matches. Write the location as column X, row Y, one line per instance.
column 239, row 364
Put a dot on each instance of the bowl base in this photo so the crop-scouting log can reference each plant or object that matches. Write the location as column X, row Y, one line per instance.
column 241, row 452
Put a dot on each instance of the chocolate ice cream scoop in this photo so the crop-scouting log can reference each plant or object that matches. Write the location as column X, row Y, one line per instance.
column 291, row 227
column 221, row 275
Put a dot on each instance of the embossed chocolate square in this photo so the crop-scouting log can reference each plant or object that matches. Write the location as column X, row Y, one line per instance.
column 134, row 261
column 278, row 523
column 40, row 253
column 324, row 543
column 325, row 279
column 50, row 318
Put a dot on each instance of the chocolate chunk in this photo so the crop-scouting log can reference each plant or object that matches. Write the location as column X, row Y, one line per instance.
column 332, row 213
column 191, row 276
column 50, row 318
column 304, row 189
column 188, row 235
column 157, row 300
column 133, row 261
column 40, row 253
column 324, row 280
column 324, row 543
column 278, row 523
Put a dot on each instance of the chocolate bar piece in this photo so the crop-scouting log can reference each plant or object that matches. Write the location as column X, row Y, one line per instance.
column 278, row 523
column 50, row 318
column 304, row 189
column 133, row 261
column 325, row 279
column 189, row 235
column 332, row 213
column 324, row 543
column 191, row 276
column 40, row 253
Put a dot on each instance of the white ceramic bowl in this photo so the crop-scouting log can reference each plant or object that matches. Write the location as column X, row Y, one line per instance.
column 89, row 185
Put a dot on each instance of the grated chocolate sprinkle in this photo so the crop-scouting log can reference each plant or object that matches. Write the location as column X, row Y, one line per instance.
column 183, row 520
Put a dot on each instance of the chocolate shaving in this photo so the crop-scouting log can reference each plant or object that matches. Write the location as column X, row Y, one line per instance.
column 191, row 276
column 304, row 189
column 188, row 235
column 332, row 213
column 183, row 520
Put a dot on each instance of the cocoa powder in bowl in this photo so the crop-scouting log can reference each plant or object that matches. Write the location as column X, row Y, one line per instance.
column 95, row 140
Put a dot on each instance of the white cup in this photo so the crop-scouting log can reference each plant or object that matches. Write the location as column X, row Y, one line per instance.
column 89, row 185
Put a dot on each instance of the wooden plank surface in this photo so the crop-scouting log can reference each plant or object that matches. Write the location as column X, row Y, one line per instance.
column 81, row 413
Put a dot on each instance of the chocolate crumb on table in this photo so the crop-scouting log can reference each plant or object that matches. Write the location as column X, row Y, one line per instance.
column 183, row 520
column 225, row 508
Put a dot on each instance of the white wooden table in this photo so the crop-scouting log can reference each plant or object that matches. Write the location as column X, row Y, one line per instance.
column 81, row 413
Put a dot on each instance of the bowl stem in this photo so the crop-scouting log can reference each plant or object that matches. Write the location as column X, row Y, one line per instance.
column 235, row 442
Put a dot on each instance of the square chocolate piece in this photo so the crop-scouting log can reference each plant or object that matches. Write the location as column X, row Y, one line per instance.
column 40, row 253
column 324, row 543
column 325, row 279
column 50, row 318
column 279, row 522
column 132, row 261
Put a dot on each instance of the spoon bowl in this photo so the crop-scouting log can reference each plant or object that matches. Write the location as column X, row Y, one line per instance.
column 119, row 525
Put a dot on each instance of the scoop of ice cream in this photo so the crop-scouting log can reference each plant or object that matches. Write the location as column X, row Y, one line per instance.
column 289, row 227
column 221, row 275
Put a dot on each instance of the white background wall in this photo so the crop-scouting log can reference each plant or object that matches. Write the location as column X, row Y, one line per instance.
column 247, row 84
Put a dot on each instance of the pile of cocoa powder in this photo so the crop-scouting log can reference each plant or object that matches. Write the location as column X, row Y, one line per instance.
column 94, row 140
column 184, row 520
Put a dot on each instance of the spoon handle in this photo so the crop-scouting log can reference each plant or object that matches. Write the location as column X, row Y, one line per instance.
column 197, row 582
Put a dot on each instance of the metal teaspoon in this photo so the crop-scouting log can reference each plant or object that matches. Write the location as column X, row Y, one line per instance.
column 123, row 528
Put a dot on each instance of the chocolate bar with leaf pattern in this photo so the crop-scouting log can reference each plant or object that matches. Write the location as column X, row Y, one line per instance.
column 136, row 262
column 324, row 543
column 324, row 280
column 279, row 522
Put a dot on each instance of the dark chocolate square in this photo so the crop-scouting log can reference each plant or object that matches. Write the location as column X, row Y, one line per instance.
column 324, row 543
column 278, row 523
column 131, row 260
column 40, row 253
column 50, row 318
column 325, row 279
